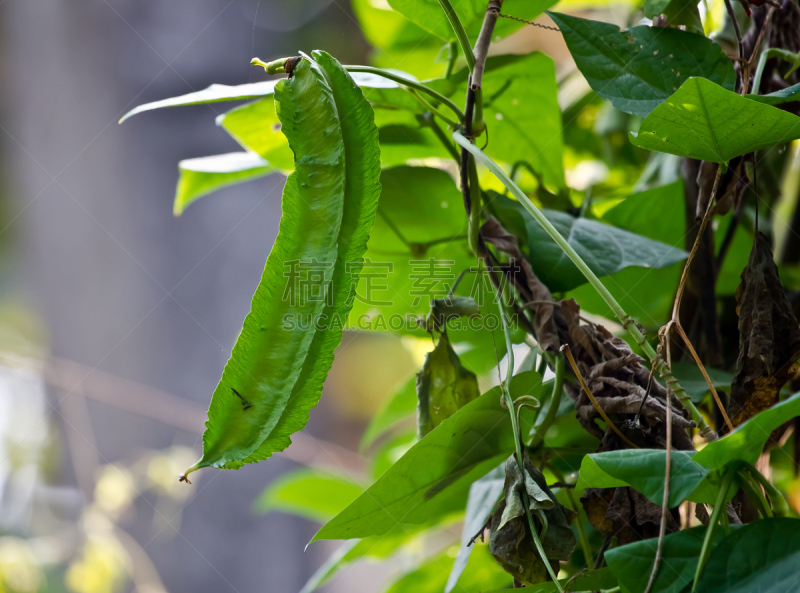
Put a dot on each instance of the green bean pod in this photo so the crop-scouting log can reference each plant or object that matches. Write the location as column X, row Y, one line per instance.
column 285, row 350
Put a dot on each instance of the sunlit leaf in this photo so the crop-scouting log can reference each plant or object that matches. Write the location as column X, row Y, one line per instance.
column 453, row 455
column 428, row 15
column 222, row 92
column 481, row 572
column 202, row 176
column 704, row 121
column 522, row 113
column 309, row 493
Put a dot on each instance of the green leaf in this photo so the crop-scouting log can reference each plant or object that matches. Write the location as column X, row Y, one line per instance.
column 676, row 12
column 483, row 494
column 632, row 563
column 428, row 15
column 763, row 556
column 692, row 380
column 587, row 581
column 398, row 40
column 444, row 386
column 747, row 441
column 256, row 127
column 521, row 112
column 213, row 94
column 309, row 493
column 202, row 176
column 523, row 115
column 278, row 366
column 452, row 456
column 378, row 547
column 418, row 248
column 704, row 121
column 431, row 577
column 786, row 95
column 606, row 249
column 217, row 93
column 402, row 405
column 643, row 469
column 640, row 68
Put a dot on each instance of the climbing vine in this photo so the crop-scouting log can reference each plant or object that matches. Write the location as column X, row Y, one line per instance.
column 606, row 402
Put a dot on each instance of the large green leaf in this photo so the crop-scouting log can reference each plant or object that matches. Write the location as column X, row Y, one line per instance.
column 606, row 249
column 747, row 442
column 483, row 495
column 786, row 95
column 762, row 557
column 633, row 563
column 704, row 121
column 428, row 15
column 644, row 469
column 640, row 68
column 309, row 493
column 201, row 176
column 278, row 365
column 452, row 456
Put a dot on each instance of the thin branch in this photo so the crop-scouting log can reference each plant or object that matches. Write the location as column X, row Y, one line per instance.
column 484, row 40
column 665, row 499
column 675, row 320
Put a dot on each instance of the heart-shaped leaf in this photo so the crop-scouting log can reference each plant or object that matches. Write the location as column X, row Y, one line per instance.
column 706, row 122
column 639, row 68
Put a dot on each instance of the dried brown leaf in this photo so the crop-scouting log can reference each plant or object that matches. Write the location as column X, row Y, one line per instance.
column 769, row 337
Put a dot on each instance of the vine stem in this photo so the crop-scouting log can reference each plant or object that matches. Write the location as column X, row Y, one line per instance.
column 389, row 75
column 461, row 34
column 518, row 445
column 627, row 321
column 555, row 400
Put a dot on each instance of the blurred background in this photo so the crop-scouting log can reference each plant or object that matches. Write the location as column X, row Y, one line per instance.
column 116, row 318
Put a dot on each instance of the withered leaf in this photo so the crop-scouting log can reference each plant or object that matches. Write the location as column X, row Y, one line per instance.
column 769, row 337
column 443, row 387
column 511, row 542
